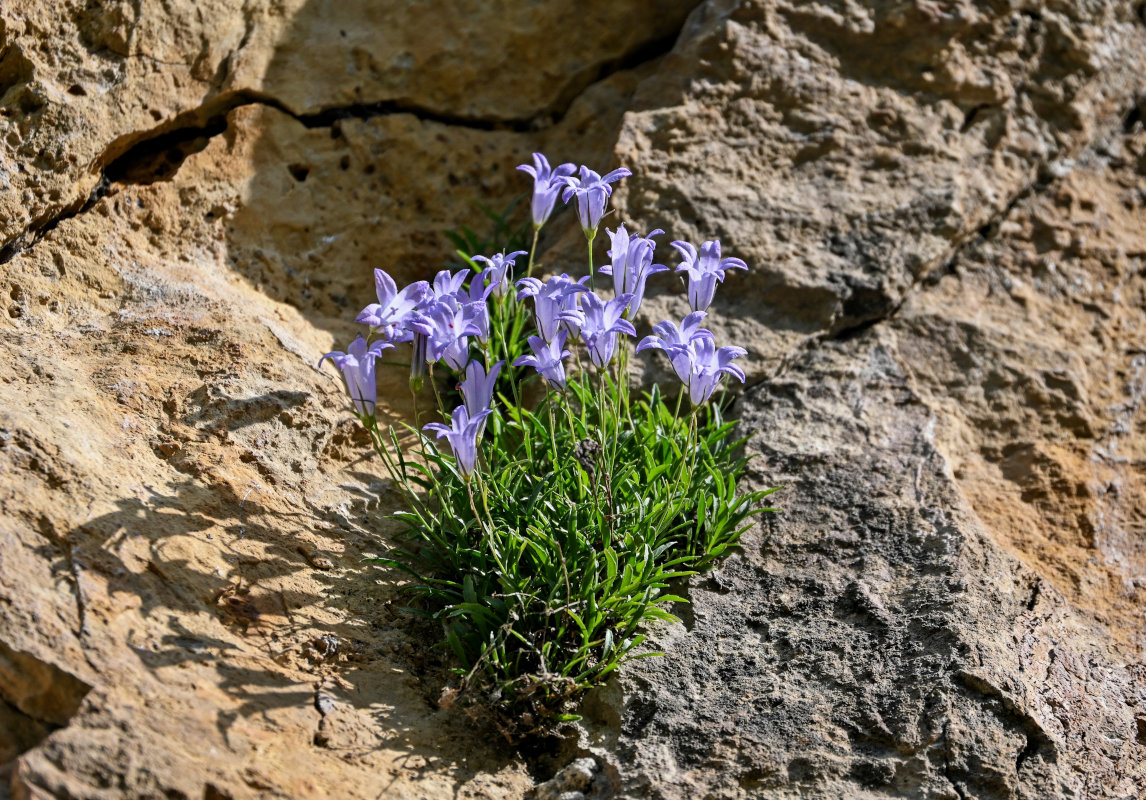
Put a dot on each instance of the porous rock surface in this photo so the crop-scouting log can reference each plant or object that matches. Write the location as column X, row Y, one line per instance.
column 944, row 208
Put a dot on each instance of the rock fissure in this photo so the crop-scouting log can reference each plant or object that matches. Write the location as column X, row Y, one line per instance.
column 36, row 698
column 157, row 154
column 947, row 768
column 959, row 248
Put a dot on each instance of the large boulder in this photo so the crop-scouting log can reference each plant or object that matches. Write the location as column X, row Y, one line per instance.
column 942, row 207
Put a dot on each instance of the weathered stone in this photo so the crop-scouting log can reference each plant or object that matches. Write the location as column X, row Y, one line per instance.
column 942, row 207
column 848, row 147
column 171, row 461
column 949, row 602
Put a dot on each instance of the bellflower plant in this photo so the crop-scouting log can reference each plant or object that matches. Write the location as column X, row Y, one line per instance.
column 447, row 327
column 499, row 270
column 547, row 359
column 601, row 323
column 358, row 373
column 706, row 367
column 389, row 316
column 678, row 343
column 462, row 435
column 546, row 532
column 592, row 192
column 550, row 300
column 632, row 264
column 704, row 271
column 449, row 284
column 478, row 387
column 547, row 184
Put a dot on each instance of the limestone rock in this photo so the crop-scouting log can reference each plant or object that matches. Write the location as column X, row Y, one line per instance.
column 846, row 147
column 179, row 248
column 942, row 204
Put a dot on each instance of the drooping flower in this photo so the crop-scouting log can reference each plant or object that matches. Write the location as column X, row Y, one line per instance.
column 677, row 342
column 632, row 264
column 600, row 322
column 708, row 365
column 547, row 184
column 704, row 271
column 592, row 192
column 547, row 359
column 358, row 374
column 447, row 327
column 550, row 300
column 498, row 271
column 477, row 388
column 389, row 316
column 462, row 434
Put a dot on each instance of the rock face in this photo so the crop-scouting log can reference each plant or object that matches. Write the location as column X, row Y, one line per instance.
column 943, row 205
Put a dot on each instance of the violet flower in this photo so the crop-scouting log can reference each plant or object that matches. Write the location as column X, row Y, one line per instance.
column 462, row 434
column 475, row 299
column 547, row 184
column 498, row 270
column 592, row 191
column 601, row 322
column 677, row 342
column 447, row 327
column 708, row 366
column 632, row 264
column 358, row 375
column 546, row 359
column 550, row 300
column 704, row 271
column 447, row 284
column 477, row 388
column 389, row 316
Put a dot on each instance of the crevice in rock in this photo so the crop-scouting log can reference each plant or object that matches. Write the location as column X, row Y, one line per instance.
column 985, row 233
column 156, row 155
column 1133, row 117
column 1036, row 589
column 158, row 158
column 638, row 56
column 46, row 223
column 944, row 737
column 971, row 115
column 1045, row 178
column 955, row 785
column 1032, row 747
column 36, row 698
column 642, row 54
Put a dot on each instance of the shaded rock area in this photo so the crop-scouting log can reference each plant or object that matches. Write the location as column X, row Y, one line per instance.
column 944, row 208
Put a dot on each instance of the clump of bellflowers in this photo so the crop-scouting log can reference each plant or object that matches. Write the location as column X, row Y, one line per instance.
column 549, row 510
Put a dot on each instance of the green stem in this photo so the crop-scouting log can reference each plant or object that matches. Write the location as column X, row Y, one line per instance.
column 569, row 417
column 532, row 250
column 507, row 308
column 552, row 429
column 437, row 396
column 486, row 522
column 623, row 380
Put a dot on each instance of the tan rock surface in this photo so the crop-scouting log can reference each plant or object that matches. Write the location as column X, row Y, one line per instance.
column 849, row 146
column 185, row 503
column 943, row 208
